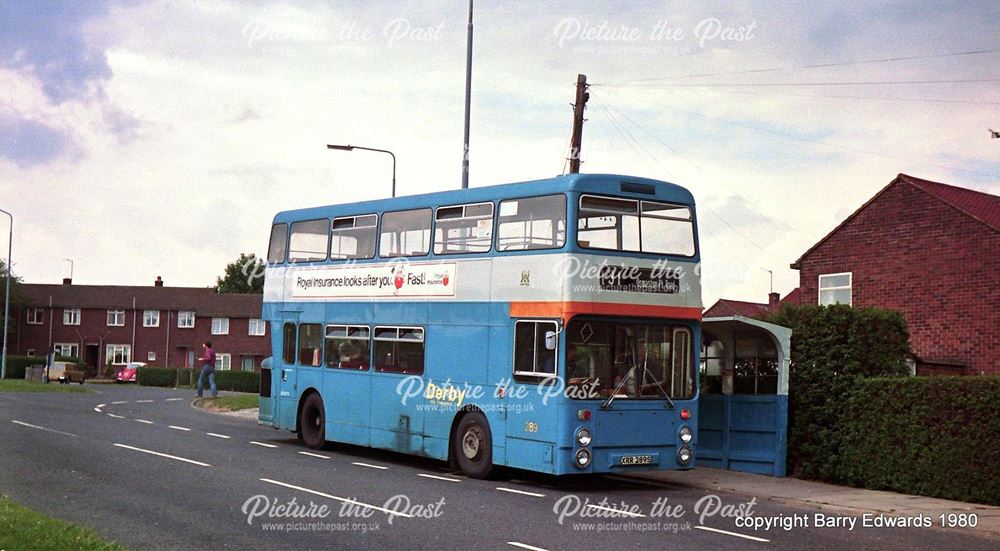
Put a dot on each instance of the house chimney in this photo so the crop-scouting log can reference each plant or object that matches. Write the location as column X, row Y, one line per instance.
column 67, row 281
column 773, row 299
column 158, row 282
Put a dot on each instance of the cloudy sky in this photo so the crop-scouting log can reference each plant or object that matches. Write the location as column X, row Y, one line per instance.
column 159, row 138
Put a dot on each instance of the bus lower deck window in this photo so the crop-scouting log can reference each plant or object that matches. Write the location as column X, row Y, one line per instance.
column 399, row 349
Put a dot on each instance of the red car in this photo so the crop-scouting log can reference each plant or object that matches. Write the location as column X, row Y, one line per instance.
column 127, row 373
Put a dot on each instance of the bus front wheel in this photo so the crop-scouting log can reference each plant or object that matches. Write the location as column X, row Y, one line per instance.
column 473, row 447
column 312, row 422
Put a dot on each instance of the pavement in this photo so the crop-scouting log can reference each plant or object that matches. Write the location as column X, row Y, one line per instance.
column 837, row 499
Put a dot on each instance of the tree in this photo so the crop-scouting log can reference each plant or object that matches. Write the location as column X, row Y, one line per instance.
column 244, row 276
column 16, row 297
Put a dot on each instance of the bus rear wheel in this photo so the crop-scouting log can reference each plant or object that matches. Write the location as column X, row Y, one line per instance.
column 473, row 446
column 312, row 422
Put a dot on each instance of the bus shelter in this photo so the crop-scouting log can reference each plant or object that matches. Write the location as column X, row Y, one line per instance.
column 743, row 404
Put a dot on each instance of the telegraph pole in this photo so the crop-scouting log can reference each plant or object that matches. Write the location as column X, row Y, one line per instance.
column 581, row 102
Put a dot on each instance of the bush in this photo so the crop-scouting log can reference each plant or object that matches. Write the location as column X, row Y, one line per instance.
column 832, row 347
column 932, row 436
column 237, row 381
column 156, row 376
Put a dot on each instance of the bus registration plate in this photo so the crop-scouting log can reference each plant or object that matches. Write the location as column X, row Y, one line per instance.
column 636, row 460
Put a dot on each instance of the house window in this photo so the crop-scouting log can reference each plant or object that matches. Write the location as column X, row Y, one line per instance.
column 257, row 328
column 150, row 356
column 71, row 316
column 151, row 318
column 835, row 289
column 119, row 354
column 185, row 319
column 31, row 351
column 220, row 326
column 535, row 348
column 223, row 362
column 66, row 349
column 36, row 316
column 247, row 363
column 116, row 318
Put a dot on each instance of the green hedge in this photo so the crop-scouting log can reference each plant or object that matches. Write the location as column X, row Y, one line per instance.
column 832, row 347
column 156, row 376
column 932, row 436
column 16, row 365
column 237, row 381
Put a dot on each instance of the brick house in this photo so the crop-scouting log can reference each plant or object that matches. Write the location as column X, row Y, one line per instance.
column 930, row 251
column 161, row 326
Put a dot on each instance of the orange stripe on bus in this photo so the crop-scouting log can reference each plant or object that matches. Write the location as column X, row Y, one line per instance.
column 566, row 310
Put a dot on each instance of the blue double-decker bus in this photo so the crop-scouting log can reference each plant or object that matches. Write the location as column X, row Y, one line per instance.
column 551, row 325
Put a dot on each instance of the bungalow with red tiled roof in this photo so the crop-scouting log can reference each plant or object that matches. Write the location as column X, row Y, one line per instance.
column 928, row 250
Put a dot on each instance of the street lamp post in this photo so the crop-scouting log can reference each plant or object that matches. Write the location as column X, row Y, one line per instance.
column 353, row 147
column 6, row 296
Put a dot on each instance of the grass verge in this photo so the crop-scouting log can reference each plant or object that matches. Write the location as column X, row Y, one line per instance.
column 20, row 385
column 22, row 528
column 229, row 403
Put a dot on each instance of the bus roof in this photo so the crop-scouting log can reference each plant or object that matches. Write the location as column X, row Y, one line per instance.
column 605, row 184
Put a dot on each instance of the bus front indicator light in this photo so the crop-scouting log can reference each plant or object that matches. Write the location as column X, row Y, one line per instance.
column 583, row 415
column 685, row 414
column 684, row 455
column 583, row 436
column 582, row 458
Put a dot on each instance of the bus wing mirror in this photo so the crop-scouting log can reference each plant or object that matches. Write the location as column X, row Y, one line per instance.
column 550, row 340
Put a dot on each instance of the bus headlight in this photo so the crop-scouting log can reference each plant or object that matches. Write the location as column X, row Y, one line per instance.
column 583, row 436
column 685, row 434
column 684, row 455
column 582, row 458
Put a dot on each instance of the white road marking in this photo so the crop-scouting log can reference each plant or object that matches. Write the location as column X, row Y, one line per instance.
column 98, row 410
column 310, row 454
column 144, row 401
column 119, row 402
column 526, row 546
column 144, row 421
column 522, row 492
column 173, row 399
column 158, row 454
column 116, row 416
column 341, row 499
column 744, row 536
column 369, row 466
column 436, row 477
column 217, row 435
column 618, row 511
column 175, row 427
column 263, row 444
column 29, row 425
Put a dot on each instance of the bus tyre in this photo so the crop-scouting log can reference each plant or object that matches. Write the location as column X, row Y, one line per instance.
column 312, row 422
column 473, row 446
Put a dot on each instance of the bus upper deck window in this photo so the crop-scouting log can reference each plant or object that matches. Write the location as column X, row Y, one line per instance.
column 463, row 229
column 532, row 223
column 353, row 237
column 309, row 240
column 405, row 233
column 278, row 245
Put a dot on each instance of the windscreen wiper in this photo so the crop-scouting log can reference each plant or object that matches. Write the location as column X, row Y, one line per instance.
column 670, row 403
column 614, row 393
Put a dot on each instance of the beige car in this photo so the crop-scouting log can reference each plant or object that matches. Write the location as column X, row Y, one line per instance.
column 65, row 372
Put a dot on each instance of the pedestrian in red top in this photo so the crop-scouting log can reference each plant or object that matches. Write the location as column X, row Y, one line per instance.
column 207, row 360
